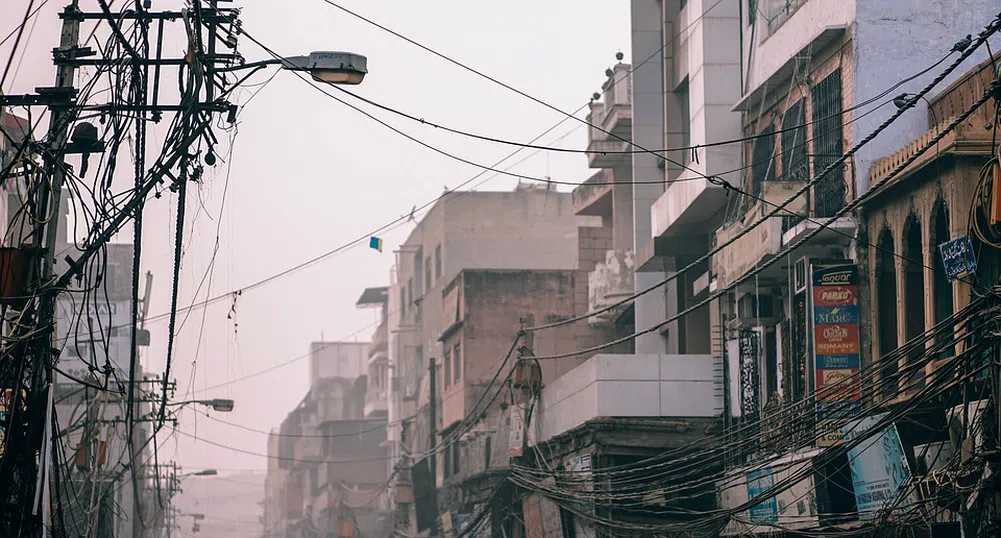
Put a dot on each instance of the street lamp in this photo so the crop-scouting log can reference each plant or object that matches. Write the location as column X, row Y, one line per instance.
column 324, row 66
column 205, row 472
column 221, row 405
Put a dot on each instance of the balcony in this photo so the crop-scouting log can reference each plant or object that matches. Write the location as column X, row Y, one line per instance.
column 594, row 196
column 610, row 281
column 308, row 451
column 686, row 205
column 376, row 402
column 629, row 386
column 762, row 243
column 614, row 114
column 379, row 348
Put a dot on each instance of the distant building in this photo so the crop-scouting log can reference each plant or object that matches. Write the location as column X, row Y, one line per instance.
column 328, row 460
column 377, row 380
column 346, row 360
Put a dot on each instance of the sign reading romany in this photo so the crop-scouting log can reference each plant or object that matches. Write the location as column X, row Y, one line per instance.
column 835, row 349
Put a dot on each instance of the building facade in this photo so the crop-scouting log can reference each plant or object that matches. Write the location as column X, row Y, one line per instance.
column 528, row 228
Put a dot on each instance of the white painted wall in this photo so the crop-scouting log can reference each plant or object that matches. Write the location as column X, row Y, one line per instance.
column 346, row 360
column 630, row 386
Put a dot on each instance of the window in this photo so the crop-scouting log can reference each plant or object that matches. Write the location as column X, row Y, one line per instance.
column 455, row 458
column 457, row 360
column 941, row 287
column 419, row 354
column 447, row 368
column 771, row 364
column 794, row 165
column 886, row 312
column 437, row 261
column 487, row 452
column 410, row 291
column 427, row 274
column 763, row 159
column 403, row 300
column 447, row 468
column 827, row 145
column 419, row 271
column 914, row 297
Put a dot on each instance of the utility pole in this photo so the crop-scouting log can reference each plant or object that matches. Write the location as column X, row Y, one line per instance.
column 433, row 441
column 46, row 228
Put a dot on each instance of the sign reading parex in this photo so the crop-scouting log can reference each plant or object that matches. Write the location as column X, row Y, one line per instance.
column 836, row 346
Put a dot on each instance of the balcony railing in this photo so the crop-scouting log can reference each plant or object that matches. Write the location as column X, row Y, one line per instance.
column 610, row 281
column 614, row 114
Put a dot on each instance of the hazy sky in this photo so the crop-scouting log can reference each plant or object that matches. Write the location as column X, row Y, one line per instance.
column 308, row 175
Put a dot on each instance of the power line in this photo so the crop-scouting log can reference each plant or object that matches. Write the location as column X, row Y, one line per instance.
column 848, row 207
column 991, row 29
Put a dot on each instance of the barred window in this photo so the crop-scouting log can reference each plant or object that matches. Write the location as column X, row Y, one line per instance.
column 763, row 159
column 794, row 165
column 828, row 144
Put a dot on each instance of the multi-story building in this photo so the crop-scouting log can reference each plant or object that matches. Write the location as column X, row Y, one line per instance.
column 92, row 330
column 528, row 228
column 485, row 310
column 604, row 208
column 814, row 80
column 345, row 360
column 328, row 457
column 15, row 129
column 377, row 379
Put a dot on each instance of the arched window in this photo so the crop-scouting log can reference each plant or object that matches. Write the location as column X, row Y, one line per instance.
column 886, row 312
column 914, row 299
column 942, row 300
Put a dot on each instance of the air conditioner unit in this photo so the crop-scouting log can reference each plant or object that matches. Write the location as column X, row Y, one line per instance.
column 801, row 274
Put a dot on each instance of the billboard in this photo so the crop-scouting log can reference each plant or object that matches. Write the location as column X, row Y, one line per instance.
column 836, row 353
column 792, row 507
column 878, row 465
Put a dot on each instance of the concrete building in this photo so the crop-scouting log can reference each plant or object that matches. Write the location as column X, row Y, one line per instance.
column 813, row 78
column 530, row 228
column 604, row 208
column 346, row 360
column 486, row 309
column 926, row 206
column 377, row 363
column 325, row 456
column 93, row 333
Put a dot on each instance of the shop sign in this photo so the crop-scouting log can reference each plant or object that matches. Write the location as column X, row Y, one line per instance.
column 836, row 350
column 579, row 469
column 958, row 258
column 878, row 465
column 793, row 507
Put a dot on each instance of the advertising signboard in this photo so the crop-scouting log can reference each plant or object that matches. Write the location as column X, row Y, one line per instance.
column 879, row 467
column 958, row 258
column 836, row 350
column 792, row 507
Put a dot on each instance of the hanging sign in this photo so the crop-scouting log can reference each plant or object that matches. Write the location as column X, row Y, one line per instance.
column 516, row 437
column 958, row 258
column 835, row 348
column 879, row 467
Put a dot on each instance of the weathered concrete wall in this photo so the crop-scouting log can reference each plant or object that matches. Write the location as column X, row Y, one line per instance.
column 894, row 40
